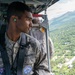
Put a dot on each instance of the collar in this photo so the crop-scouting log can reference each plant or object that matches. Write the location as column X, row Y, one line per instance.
column 9, row 43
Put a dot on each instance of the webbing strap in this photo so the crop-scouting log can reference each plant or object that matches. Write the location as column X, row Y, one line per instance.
column 5, row 61
column 3, row 51
column 20, row 61
column 21, row 58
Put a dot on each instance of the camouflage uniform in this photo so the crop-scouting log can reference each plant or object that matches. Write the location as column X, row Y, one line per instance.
column 41, row 37
column 35, row 58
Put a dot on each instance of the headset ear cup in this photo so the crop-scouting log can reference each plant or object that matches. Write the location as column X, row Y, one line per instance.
column 14, row 19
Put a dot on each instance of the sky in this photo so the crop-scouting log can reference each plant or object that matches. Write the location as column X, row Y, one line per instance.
column 59, row 8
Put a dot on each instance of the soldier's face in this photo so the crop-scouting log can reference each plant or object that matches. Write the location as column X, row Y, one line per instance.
column 24, row 24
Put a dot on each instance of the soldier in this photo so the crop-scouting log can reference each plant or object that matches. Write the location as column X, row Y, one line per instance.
column 38, row 32
column 21, row 54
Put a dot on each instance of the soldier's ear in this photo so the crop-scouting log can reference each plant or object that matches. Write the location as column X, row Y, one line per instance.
column 14, row 18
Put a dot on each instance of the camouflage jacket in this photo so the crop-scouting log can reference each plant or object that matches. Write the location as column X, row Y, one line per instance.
column 35, row 62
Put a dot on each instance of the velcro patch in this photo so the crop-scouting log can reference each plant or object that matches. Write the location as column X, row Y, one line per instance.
column 27, row 69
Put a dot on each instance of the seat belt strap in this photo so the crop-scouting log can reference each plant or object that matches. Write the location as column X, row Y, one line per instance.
column 5, row 61
column 21, row 58
column 3, row 52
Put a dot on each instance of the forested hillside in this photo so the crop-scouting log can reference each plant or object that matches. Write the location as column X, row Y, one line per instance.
column 63, row 35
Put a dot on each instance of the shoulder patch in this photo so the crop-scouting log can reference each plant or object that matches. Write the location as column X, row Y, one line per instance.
column 27, row 69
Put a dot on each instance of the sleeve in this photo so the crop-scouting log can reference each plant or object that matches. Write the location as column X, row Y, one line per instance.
column 41, row 64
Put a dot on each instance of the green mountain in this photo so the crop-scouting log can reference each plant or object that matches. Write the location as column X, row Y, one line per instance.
column 62, row 32
column 68, row 18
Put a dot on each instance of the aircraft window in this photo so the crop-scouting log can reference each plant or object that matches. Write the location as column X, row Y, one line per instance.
column 62, row 31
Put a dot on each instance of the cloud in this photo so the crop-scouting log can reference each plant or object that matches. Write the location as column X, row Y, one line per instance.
column 60, row 8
